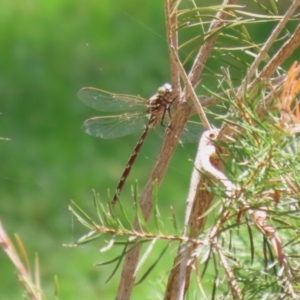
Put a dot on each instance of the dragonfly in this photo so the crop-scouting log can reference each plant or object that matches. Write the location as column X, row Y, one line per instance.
column 137, row 113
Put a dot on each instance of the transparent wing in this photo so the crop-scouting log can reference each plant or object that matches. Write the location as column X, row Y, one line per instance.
column 110, row 127
column 191, row 132
column 110, row 102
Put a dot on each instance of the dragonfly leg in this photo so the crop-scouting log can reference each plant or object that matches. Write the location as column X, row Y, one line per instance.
column 168, row 111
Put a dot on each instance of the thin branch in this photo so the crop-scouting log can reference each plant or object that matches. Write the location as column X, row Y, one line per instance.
column 286, row 51
column 196, row 102
column 206, row 48
column 159, row 169
column 179, row 278
column 263, row 51
column 277, row 83
column 179, row 119
column 180, row 274
column 235, row 290
column 172, row 38
column 144, row 236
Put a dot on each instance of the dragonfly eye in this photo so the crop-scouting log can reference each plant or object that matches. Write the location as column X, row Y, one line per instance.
column 163, row 90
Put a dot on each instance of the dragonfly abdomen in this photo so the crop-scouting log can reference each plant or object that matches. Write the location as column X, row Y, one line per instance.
column 129, row 165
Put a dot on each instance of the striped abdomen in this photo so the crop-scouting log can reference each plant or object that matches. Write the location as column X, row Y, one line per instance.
column 130, row 162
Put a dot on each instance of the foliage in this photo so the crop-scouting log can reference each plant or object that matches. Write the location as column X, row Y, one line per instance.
column 243, row 244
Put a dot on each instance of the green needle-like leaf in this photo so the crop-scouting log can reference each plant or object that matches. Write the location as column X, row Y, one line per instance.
column 119, row 260
column 153, row 265
column 82, row 217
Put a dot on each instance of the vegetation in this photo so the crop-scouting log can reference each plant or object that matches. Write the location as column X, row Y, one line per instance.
column 238, row 238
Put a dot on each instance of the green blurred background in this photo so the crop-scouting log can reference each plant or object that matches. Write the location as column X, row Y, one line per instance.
column 49, row 50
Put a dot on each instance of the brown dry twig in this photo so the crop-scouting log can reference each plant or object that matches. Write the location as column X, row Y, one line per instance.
column 168, row 147
column 199, row 199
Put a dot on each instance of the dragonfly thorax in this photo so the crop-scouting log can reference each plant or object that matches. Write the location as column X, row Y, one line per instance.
column 163, row 97
column 159, row 104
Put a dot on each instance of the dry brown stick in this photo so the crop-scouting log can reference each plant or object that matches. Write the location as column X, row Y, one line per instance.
column 286, row 51
column 265, row 75
column 206, row 48
column 254, row 66
column 196, row 192
column 160, row 167
column 172, row 38
column 194, row 98
column 179, row 278
column 235, row 290
column 276, row 82
column 213, row 239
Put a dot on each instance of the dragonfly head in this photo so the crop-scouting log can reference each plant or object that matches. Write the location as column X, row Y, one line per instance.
column 165, row 89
